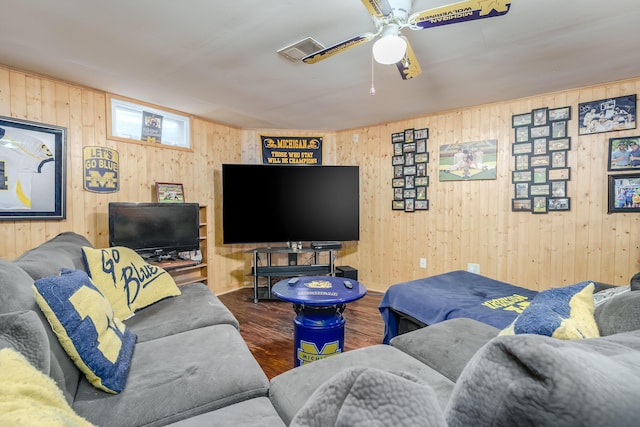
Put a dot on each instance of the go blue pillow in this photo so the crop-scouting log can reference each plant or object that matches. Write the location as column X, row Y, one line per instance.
column 83, row 320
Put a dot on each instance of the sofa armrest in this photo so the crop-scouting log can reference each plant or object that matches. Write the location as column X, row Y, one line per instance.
column 446, row 346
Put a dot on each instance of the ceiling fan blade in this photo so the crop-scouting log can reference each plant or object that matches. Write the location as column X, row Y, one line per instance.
column 409, row 66
column 467, row 10
column 338, row 48
column 378, row 8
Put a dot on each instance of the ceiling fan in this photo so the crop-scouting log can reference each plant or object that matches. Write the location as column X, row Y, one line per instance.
column 392, row 16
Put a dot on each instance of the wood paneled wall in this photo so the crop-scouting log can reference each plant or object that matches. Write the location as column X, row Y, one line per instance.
column 468, row 222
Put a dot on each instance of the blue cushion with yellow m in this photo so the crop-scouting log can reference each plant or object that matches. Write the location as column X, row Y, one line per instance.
column 563, row 313
column 86, row 326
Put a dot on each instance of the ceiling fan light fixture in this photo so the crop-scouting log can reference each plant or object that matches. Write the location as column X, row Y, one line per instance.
column 389, row 49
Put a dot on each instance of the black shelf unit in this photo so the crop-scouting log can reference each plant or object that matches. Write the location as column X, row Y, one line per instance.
column 271, row 271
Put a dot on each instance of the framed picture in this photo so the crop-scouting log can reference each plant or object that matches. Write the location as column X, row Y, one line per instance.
column 522, row 176
column 539, row 175
column 607, row 115
column 521, row 120
column 540, row 116
column 522, row 134
column 540, row 131
column 560, row 144
column 421, row 133
column 523, row 148
column 540, row 146
column 540, row 190
column 522, row 190
column 421, row 205
column 409, row 205
column 32, row 170
column 562, row 174
column 563, row 113
column 559, row 159
column 624, row 193
column 561, row 204
column 468, row 161
column 621, row 153
column 539, row 204
column 521, row 205
column 169, row 193
column 397, row 205
column 559, row 188
column 422, row 181
column 421, row 146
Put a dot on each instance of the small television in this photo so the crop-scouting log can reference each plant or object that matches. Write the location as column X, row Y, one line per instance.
column 290, row 203
column 155, row 230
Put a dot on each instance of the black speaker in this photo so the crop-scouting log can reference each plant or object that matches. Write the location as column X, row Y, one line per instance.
column 347, row 272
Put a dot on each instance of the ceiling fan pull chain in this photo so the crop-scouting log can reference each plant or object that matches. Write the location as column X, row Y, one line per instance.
column 372, row 91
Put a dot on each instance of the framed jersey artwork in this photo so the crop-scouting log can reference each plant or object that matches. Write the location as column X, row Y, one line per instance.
column 32, row 170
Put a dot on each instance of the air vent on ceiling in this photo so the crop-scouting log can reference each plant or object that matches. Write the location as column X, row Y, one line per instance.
column 300, row 49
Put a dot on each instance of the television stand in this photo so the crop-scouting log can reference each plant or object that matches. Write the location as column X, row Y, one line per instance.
column 173, row 264
column 283, row 262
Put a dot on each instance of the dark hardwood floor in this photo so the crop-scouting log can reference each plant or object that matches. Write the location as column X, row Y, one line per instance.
column 267, row 327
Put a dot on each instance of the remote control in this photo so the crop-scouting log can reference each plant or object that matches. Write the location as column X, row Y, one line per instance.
column 348, row 284
column 292, row 281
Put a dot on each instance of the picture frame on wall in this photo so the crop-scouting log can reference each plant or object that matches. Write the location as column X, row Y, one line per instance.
column 167, row 192
column 563, row 113
column 606, row 115
column 32, row 170
column 559, row 204
column 621, row 151
column 624, row 193
column 521, row 204
column 518, row 120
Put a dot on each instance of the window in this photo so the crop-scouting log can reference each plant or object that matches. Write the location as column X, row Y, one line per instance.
column 147, row 124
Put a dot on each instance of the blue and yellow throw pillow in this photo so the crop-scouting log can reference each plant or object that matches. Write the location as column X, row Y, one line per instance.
column 83, row 320
column 564, row 313
column 30, row 398
column 127, row 280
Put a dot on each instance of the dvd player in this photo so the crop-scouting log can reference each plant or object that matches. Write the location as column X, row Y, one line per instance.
column 326, row 245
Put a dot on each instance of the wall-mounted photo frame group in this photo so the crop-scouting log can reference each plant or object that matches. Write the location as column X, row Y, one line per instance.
column 409, row 162
column 624, row 153
column 540, row 152
column 607, row 115
column 167, row 192
column 32, row 170
column 624, row 193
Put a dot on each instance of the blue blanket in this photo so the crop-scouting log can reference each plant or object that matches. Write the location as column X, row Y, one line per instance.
column 451, row 295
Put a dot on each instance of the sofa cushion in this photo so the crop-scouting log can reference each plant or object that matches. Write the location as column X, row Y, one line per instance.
column 99, row 343
column 177, row 377
column 126, row 280
column 249, row 413
column 16, row 294
column 24, row 332
column 369, row 396
column 62, row 251
column 620, row 313
column 533, row 380
column 31, row 398
column 446, row 346
column 290, row 390
column 563, row 313
column 174, row 315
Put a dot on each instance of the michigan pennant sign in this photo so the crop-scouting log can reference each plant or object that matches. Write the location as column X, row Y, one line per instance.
column 101, row 170
column 291, row 150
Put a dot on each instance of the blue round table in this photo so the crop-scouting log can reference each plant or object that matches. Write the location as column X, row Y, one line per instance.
column 319, row 302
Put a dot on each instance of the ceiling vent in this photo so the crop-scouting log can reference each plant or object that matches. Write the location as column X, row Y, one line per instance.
column 300, row 49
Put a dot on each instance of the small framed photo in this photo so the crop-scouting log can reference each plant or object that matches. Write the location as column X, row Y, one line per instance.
column 560, row 204
column 421, row 146
column 523, row 148
column 409, row 159
column 540, row 131
column 539, row 175
column 540, row 161
column 522, row 190
column 422, row 181
column 562, row 174
column 559, row 159
column 169, row 192
column 540, row 146
column 409, row 170
column 421, row 193
column 522, row 162
column 409, row 205
column 409, row 147
column 397, row 194
column 409, row 135
column 521, row 120
column 421, row 169
column 397, row 148
column 521, row 205
column 563, row 113
column 397, row 171
column 540, row 116
column 421, row 205
column 397, row 160
column 397, row 205
column 560, row 144
column 624, row 193
column 522, row 176
column 559, row 129
column 397, row 137
column 422, row 158
column 621, row 153
column 397, row 182
column 541, row 190
column 522, row 134
column 421, row 133
column 409, row 181
column 558, row 189
column 33, row 170
column 539, row 205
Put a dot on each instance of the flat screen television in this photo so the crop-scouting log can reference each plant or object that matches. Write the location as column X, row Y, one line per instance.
column 155, row 229
column 275, row 204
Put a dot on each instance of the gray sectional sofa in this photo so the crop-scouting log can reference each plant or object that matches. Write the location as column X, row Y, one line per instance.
column 190, row 367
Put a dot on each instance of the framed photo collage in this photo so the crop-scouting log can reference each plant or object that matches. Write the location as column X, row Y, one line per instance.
column 409, row 161
column 540, row 151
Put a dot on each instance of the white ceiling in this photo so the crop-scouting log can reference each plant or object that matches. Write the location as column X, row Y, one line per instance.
column 218, row 59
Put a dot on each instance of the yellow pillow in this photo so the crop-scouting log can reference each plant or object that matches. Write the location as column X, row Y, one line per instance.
column 30, row 398
column 99, row 344
column 126, row 280
column 565, row 313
